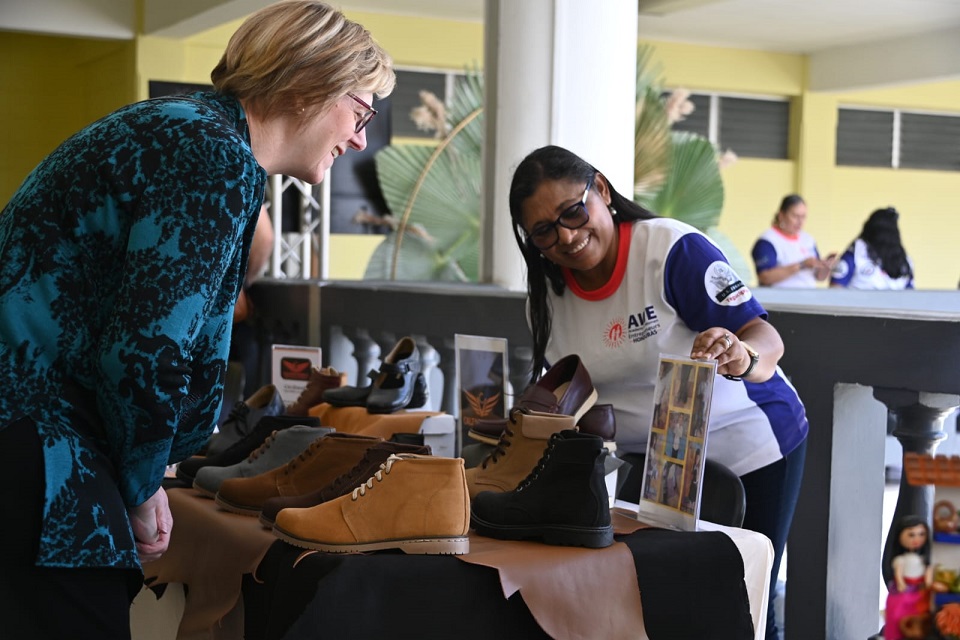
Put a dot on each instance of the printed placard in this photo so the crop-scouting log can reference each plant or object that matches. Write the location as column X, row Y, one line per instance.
column 291, row 369
column 482, row 380
column 677, row 446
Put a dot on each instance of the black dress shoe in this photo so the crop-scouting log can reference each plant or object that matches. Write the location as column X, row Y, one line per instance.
column 347, row 396
column 399, row 378
column 244, row 417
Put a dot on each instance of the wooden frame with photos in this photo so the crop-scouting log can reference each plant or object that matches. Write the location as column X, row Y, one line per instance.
column 677, row 444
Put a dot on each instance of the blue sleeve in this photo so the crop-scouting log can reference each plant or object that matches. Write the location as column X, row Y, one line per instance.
column 843, row 270
column 163, row 351
column 764, row 255
column 704, row 289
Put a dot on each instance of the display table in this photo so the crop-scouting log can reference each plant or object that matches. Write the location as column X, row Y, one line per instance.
column 711, row 583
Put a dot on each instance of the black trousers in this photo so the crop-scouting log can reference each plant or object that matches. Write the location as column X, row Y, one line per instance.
column 37, row 603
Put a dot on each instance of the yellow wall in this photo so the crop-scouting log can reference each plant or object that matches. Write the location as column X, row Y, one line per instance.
column 413, row 42
column 64, row 83
column 51, row 88
column 839, row 198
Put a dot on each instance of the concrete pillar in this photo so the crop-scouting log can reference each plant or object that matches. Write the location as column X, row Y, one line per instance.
column 556, row 72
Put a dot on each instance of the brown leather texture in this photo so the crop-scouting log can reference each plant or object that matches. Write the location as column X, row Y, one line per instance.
column 359, row 420
column 572, row 592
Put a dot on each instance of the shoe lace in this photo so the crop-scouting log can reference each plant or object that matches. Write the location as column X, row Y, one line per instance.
column 304, row 455
column 378, row 476
column 526, row 482
column 337, row 485
column 259, row 451
column 239, row 413
column 500, row 449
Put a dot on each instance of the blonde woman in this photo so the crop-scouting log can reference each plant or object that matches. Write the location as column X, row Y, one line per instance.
column 121, row 258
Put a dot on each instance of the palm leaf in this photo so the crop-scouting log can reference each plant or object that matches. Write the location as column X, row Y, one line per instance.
column 437, row 188
column 651, row 144
column 419, row 260
column 694, row 191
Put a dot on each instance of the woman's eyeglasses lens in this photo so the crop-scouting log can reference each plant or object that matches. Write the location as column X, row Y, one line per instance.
column 366, row 117
column 573, row 218
column 545, row 236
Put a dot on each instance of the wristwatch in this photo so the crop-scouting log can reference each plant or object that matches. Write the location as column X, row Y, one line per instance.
column 754, row 359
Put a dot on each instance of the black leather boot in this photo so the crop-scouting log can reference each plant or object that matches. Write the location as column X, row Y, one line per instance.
column 563, row 501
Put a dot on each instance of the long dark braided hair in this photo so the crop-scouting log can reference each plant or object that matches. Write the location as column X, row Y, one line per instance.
column 882, row 236
column 552, row 163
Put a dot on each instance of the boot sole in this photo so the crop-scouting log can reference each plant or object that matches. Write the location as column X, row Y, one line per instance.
column 204, row 492
column 243, row 510
column 266, row 522
column 456, row 546
column 563, row 535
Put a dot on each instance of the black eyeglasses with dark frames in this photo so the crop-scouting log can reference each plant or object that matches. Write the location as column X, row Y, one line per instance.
column 544, row 236
column 367, row 115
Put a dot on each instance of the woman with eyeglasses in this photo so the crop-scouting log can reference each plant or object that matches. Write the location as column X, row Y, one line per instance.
column 876, row 259
column 121, row 257
column 618, row 286
column 785, row 255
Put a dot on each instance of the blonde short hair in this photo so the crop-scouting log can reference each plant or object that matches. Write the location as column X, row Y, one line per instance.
column 301, row 56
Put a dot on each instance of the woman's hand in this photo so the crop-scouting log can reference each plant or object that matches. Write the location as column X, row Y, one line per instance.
column 732, row 358
column 724, row 346
column 152, row 523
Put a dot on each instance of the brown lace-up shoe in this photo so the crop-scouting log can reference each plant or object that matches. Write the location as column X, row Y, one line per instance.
column 320, row 380
column 417, row 504
column 320, row 464
column 518, row 451
column 369, row 465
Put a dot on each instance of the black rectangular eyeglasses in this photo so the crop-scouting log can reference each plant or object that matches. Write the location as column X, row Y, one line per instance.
column 545, row 236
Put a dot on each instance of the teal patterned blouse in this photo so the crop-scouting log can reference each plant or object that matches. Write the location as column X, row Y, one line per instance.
column 121, row 257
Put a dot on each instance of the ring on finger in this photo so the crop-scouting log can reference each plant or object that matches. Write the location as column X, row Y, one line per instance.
column 728, row 340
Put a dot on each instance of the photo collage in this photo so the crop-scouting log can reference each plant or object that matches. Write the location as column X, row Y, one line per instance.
column 676, row 448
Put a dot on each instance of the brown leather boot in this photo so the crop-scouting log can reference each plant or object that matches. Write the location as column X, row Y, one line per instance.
column 522, row 444
column 323, row 461
column 368, row 466
column 417, row 504
column 320, row 381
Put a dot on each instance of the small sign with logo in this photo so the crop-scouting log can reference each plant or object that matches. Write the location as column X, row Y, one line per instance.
column 291, row 369
column 482, row 379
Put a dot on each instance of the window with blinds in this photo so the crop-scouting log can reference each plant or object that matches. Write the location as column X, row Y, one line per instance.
column 755, row 128
column 898, row 139
column 929, row 142
column 698, row 121
column 750, row 127
column 865, row 138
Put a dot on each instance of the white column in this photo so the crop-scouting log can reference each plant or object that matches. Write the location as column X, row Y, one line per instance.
column 556, row 72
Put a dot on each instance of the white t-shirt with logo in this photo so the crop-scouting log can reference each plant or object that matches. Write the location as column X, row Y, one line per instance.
column 776, row 249
column 670, row 283
column 857, row 270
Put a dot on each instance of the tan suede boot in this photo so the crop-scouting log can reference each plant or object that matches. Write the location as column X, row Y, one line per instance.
column 324, row 461
column 519, row 450
column 414, row 503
